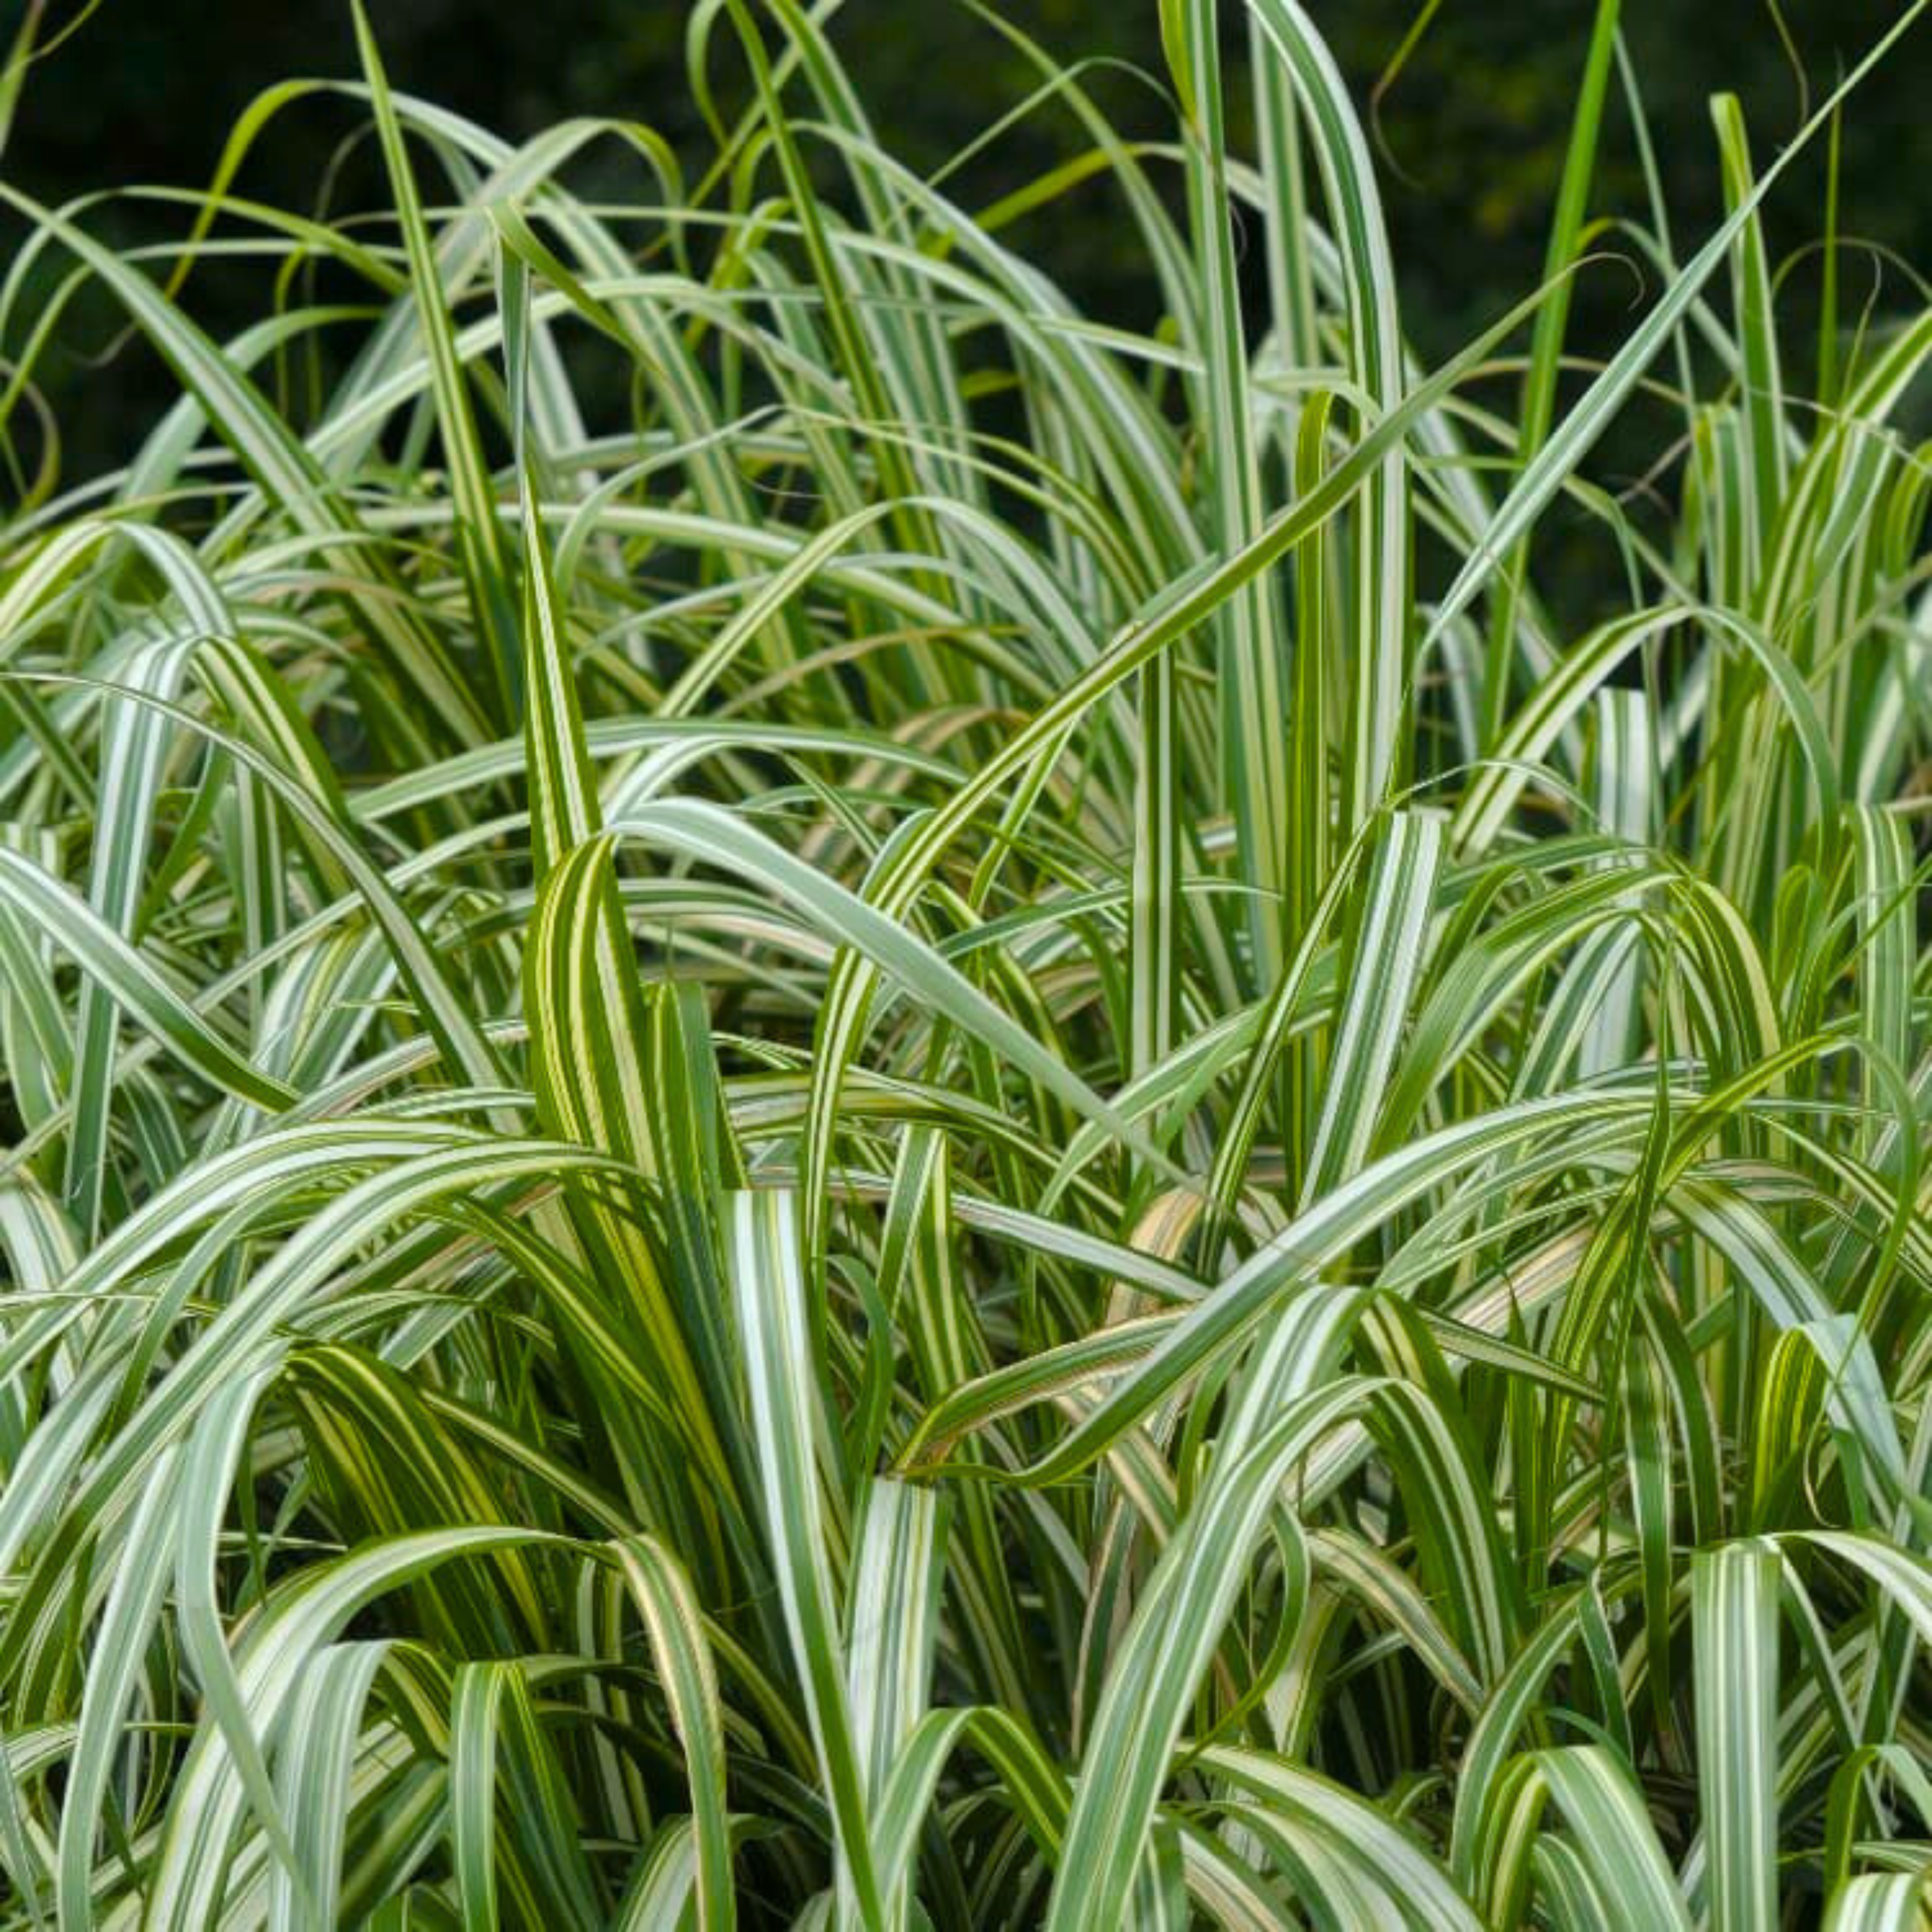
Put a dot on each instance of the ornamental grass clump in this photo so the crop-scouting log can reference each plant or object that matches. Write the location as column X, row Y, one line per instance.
column 832, row 1100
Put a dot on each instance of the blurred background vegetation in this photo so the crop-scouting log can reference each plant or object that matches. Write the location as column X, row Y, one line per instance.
column 1472, row 124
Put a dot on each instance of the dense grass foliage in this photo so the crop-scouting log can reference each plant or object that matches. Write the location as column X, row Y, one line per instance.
column 835, row 1103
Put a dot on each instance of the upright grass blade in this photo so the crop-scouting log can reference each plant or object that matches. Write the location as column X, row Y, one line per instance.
column 1378, row 679
column 1385, row 953
column 1734, row 1592
column 478, row 525
column 1538, row 403
column 1251, row 661
column 788, row 1427
column 684, row 1665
